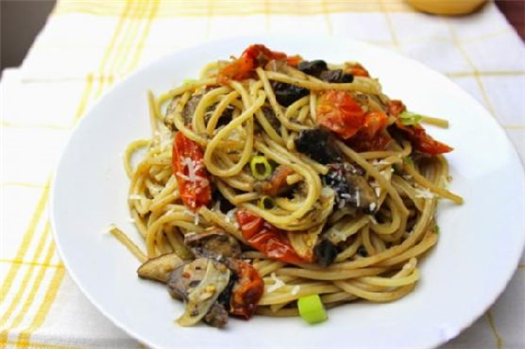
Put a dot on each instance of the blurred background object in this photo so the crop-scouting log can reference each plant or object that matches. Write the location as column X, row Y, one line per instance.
column 20, row 23
column 447, row 7
column 515, row 13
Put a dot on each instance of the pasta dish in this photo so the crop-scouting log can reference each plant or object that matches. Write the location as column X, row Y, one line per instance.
column 279, row 186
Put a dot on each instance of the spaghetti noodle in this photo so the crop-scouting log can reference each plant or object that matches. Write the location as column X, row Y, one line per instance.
column 328, row 186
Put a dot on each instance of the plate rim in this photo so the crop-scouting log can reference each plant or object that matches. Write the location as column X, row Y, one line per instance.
column 429, row 343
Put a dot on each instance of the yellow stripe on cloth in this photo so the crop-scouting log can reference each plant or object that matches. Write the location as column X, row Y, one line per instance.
column 24, row 285
column 115, row 7
column 170, row 8
column 31, row 263
column 131, row 43
column 113, row 45
column 479, row 82
column 26, row 242
column 328, row 21
column 32, row 296
column 486, row 73
column 85, row 98
column 128, row 39
column 390, row 24
column 6, row 124
column 497, row 336
column 43, row 310
column 209, row 19
column 33, row 345
column 266, row 13
column 136, row 53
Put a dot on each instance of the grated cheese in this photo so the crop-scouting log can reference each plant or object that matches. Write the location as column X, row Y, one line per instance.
column 377, row 189
column 192, row 168
column 229, row 215
column 339, row 236
column 295, row 290
column 277, row 283
column 196, row 219
column 379, row 162
column 424, row 193
column 387, row 174
column 327, row 192
column 182, row 176
column 166, row 139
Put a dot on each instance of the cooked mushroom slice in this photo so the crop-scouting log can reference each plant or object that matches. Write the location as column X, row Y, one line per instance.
column 159, row 268
column 187, row 111
column 213, row 243
column 286, row 94
column 217, row 316
column 169, row 118
column 351, row 188
column 361, row 195
column 186, row 277
column 199, row 283
column 319, row 145
column 189, row 108
column 325, row 252
column 272, row 118
column 336, row 76
column 314, row 68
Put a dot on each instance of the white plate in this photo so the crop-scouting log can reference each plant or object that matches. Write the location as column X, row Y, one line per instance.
column 479, row 247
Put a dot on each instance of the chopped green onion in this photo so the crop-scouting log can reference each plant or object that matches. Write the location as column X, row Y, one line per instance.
column 266, row 203
column 188, row 81
column 311, row 309
column 437, row 229
column 261, row 168
column 409, row 118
